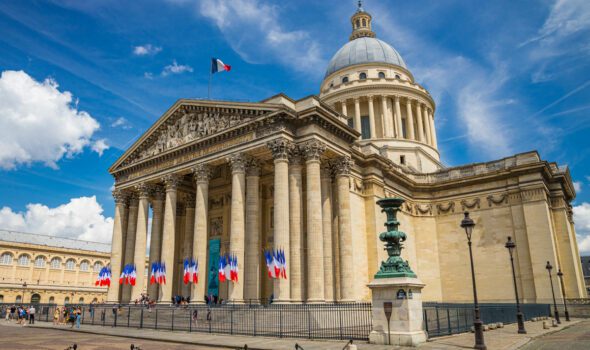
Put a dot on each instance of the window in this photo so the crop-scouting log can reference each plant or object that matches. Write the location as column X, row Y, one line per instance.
column 344, row 80
column 6, row 259
column 56, row 263
column 364, row 22
column 23, row 260
column 51, row 300
column 19, row 299
column 66, row 300
column 397, row 76
column 97, row 266
column 1, row 298
column 84, row 265
column 402, row 159
column 70, row 264
column 40, row 261
column 358, row 23
column 332, row 84
column 81, row 301
column 365, row 128
column 381, row 75
column 363, row 76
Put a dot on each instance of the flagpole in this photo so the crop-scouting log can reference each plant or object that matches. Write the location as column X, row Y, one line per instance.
column 209, row 90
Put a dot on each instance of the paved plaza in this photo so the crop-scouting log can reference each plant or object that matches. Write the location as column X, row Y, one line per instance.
column 573, row 335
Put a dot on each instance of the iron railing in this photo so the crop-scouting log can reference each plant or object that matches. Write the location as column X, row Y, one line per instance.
column 445, row 319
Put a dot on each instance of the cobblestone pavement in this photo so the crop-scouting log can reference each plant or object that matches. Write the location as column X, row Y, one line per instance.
column 576, row 337
column 15, row 337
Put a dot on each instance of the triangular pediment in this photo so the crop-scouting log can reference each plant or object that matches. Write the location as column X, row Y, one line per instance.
column 186, row 122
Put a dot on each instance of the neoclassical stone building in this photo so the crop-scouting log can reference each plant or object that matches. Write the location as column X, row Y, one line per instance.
column 304, row 176
column 47, row 269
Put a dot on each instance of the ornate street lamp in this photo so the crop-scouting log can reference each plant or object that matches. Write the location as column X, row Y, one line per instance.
column 560, row 275
column 549, row 268
column 468, row 224
column 510, row 245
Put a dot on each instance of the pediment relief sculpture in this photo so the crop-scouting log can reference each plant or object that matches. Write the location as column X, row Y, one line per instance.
column 188, row 124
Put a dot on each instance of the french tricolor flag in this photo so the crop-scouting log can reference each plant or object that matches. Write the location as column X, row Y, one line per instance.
column 218, row 66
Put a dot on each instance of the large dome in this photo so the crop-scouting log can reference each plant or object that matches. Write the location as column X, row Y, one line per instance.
column 364, row 50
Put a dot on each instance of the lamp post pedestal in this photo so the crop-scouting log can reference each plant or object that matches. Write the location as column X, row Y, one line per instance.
column 404, row 295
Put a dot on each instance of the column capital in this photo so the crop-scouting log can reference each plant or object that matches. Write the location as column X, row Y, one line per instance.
column 201, row 173
column 120, row 196
column 159, row 193
column 253, row 167
column 237, row 162
column 133, row 199
column 144, row 190
column 343, row 165
column 396, row 97
column 280, row 148
column 356, row 99
column 190, row 202
column 312, row 149
column 370, row 98
column 171, row 181
column 326, row 171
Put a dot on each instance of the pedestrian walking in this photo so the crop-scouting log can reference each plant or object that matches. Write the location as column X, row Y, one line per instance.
column 32, row 314
column 195, row 316
column 78, row 317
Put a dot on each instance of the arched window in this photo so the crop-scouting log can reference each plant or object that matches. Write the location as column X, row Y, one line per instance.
column 51, row 300
column 66, row 300
column 84, row 265
column 23, row 260
column 35, row 298
column 345, row 80
column 364, row 22
column 1, row 298
column 363, row 76
column 381, row 75
column 95, row 300
column 40, row 261
column 56, row 263
column 358, row 23
column 397, row 76
column 70, row 264
column 81, row 301
column 19, row 299
column 97, row 266
column 6, row 259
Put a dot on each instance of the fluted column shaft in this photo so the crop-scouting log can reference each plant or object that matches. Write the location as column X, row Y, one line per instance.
column 169, row 238
column 315, row 238
column 296, row 227
column 326, row 179
column 398, row 119
column 280, row 149
column 252, row 258
column 141, row 241
column 427, row 125
column 347, row 292
column 410, row 120
column 372, row 127
column 117, row 245
column 385, row 117
column 420, row 123
column 433, row 129
column 200, row 240
column 238, row 224
column 130, row 243
column 344, row 109
column 187, row 243
column 156, row 237
column 357, row 115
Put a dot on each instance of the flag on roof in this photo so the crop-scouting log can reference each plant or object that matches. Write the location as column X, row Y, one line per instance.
column 218, row 66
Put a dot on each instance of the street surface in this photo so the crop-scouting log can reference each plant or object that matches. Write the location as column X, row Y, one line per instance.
column 576, row 337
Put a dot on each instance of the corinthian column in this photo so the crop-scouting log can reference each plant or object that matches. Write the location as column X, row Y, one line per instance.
column 372, row 118
column 410, row 120
column 141, row 240
column 420, row 124
column 433, row 129
column 280, row 149
column 385, row 117
column 252, row 258
column 238, row 226
column 200, row 239
column 156, row 237
column 130, row 242
column 315, row 241
column 357, row 115
column 117, row 244
column 427, row 125
column 398, row 119
column 187, row 243
column 326, row 177
column 342, row 167
column 169, row 237
column 344, row 110
column 296, row 226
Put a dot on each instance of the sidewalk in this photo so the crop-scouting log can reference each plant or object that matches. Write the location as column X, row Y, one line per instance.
column 498, row 339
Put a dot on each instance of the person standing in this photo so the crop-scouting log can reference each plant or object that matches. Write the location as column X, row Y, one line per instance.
column 32, row 314
column 78, row 317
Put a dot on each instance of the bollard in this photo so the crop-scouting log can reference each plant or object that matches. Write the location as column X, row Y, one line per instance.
column 500, row 325
column 545, row 325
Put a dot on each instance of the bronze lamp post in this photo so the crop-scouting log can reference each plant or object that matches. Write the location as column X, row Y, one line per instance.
column 549, row 268
column 560, row 275
column 468, row 224
column 510, row 245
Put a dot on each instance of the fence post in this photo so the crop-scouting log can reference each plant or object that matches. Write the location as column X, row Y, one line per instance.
column 156, row 322
column 340, row 320
column 93, row 312
column 172, row 318
column 449, row 321
column 254, row 313
column 128, row 315
column 437, row 320
column 308, row 323
column 141, row 319
column 116, row 316
column 280, row 321
column 425, row 320
column 190, row 321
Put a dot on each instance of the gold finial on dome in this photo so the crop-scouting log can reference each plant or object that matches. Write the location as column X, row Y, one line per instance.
column 361, row 24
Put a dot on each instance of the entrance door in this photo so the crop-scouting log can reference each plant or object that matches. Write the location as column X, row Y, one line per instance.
column 35, row 299
column 213, row 266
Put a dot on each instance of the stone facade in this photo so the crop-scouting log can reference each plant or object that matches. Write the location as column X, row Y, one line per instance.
column 304, row 176
column 45, row 269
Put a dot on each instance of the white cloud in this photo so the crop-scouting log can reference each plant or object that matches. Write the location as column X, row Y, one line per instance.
column 99, row 146
column 582, row 223
column 80, row 218
column 39, row 123
column 147, row 49
column 176, row 68
column 121, row 123
column 266, row 39
column 578, row 186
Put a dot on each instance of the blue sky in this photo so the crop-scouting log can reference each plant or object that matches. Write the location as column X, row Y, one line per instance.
column 82, row 80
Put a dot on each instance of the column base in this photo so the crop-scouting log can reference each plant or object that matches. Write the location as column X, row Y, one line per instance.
column 315, row 301
column 398, row 338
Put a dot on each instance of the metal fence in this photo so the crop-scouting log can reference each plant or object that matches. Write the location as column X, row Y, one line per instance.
column 445, row 319
column 312, row 321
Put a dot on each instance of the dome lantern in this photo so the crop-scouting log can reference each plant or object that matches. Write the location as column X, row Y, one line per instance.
column 361, row 24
